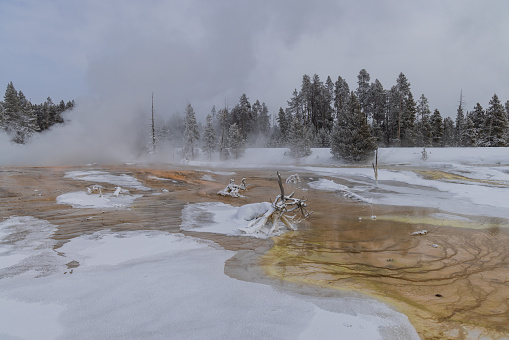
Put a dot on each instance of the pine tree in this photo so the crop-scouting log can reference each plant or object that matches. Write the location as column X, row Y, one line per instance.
column 378, row 104
column 363, row 92
column 437, row 128
column 470, row 136
column 351, row 139
column 460, row 128
column 299, row 141
column 284, row 127
column 408, row 131
column 424, row 130
column 495, row 125
column 295, row 106
column 341, row 95
column 191, row 133
column 448, row 139
column 209, row 138
column 402, row 94
column 27, row 120
column 264, row 121
column 11, row 112
column 223, row 139
column 478, row 117
column 236, row 141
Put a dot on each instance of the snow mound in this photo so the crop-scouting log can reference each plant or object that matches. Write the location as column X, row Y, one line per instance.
column 82, row 199
column 105, row 177
column 328, row 185
column 220, row 218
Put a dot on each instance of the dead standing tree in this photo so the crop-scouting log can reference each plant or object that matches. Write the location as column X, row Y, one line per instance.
column 279, row 212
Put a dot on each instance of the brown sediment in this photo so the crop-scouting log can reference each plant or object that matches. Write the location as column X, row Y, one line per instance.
column 452, row 282
column 447, row 176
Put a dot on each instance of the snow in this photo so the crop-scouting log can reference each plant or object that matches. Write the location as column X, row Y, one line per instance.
column 207, row 178
column 328, row 185
column 280, row 157
column 153, row 285
column 122, row 180
column 81, row 199
column 220, row 218
column 407, row 188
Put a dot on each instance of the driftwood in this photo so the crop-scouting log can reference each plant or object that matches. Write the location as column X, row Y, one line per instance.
column 279, row 211
column 233, row 189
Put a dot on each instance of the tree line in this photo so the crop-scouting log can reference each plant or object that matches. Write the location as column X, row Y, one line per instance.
column 20, row 119
column 352, row 123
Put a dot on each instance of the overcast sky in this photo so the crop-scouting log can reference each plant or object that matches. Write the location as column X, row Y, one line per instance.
column 210, row 52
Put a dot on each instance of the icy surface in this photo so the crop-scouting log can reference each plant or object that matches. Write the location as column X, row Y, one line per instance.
column 220, row 218
column 105, row 177
column 81, row 199
column 156, row 285
column 24, row 243
column 407, row 188
column 328, row 185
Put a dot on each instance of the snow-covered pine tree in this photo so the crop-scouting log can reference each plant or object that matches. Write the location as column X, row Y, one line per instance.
column 378, row 105
column 236, row 141
column 299, row 140
column 402, row 94
column 295, row 106
column 424, row 130
column 223, row 138
column 306, row 99
column 341, row 95
column 408, row 131
column 437, row 128
column 478, row 117
column 459, row 133
column 470, row 135
column 284, row 127
column 449, row 128
column 28, row 120
column 495, row 124
column 191, row 133
column 209, row 138
column 363, row 92
column 351, row 139
column 264, row 121
column 11, row 113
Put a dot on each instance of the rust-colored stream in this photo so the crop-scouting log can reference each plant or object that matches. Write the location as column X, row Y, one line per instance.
column 452, row 282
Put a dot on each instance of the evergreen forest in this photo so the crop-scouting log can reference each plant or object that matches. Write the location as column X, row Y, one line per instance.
column 20, row 119
column 352, row 122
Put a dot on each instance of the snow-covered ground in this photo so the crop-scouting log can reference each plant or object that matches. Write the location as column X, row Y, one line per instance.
column 156, row 285
column 482, row 190
column 262, row 157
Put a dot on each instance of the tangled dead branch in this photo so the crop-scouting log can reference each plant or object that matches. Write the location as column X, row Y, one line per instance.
column 280, row 211
column 233, row 189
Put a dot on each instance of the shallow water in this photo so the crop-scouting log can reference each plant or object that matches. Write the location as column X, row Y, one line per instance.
column 451, row 282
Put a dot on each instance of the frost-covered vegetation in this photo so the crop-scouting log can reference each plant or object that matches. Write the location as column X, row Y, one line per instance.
column 20, row 119
column 352, row 123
